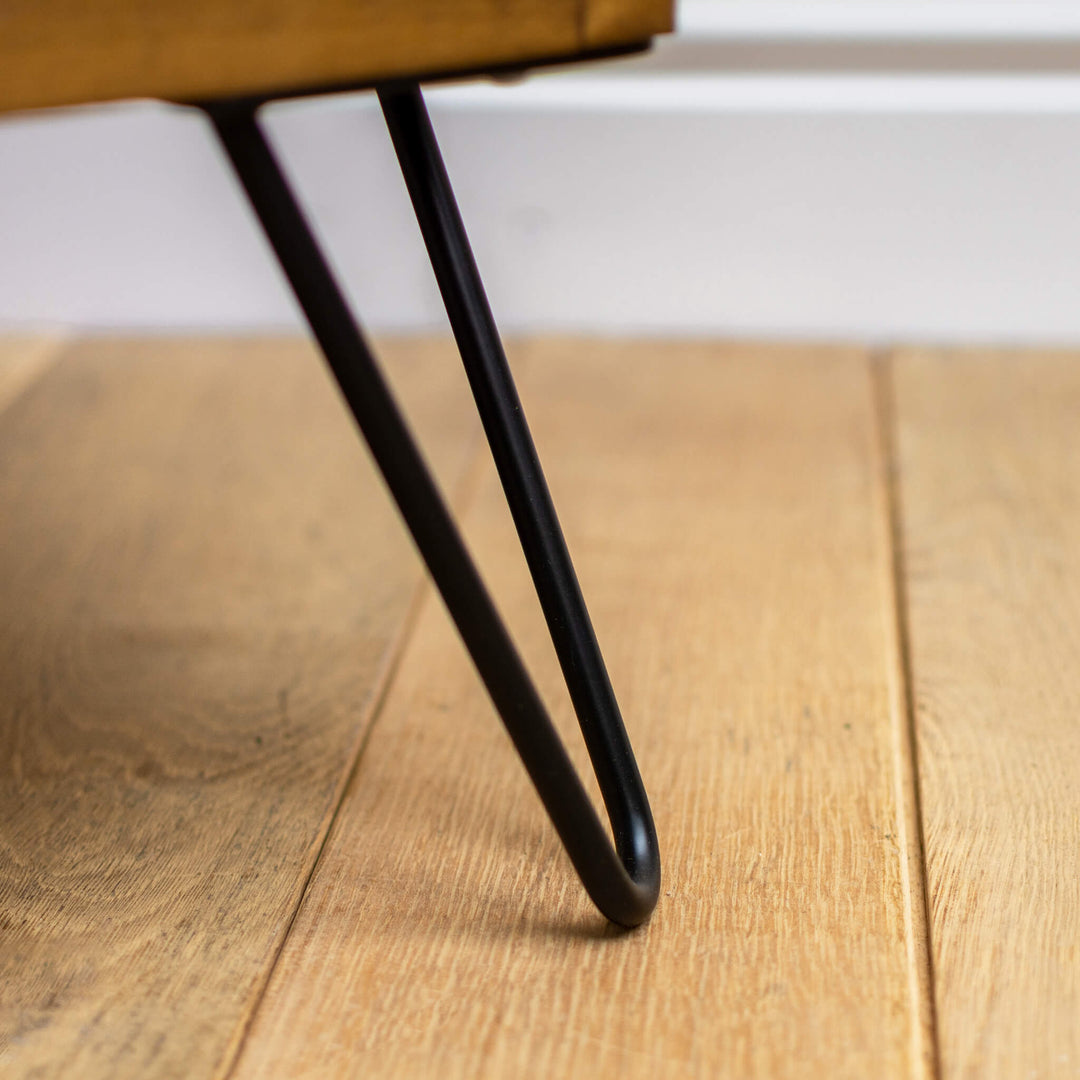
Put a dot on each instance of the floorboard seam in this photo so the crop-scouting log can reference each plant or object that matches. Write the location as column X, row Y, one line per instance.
column 882, row 375
column 464, row 494
column 25, row 373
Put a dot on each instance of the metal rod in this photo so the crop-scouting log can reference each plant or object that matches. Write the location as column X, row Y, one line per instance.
column 623, row 882
column 520, row 471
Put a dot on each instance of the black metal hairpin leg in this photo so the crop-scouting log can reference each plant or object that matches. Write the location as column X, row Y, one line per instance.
column 623, row 882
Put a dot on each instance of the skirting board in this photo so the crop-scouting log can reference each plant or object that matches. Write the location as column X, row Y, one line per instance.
column 881, row 208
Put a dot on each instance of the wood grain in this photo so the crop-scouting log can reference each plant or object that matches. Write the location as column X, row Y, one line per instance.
column 62, row 52
column 990, row 490
column 616, row 22
column 725, row 509
column 202, row 588
column 23, row 358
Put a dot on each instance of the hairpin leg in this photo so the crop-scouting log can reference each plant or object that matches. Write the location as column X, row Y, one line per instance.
column 623, row 882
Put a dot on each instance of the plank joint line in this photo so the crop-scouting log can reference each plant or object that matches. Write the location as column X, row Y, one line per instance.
column 881, row 369
column 462, row 497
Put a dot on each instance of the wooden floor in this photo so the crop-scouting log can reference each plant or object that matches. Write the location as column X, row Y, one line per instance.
column 258, row 819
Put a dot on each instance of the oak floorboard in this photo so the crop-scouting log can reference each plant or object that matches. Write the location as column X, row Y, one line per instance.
column 23, row 358
column 202, row 588
column 989, row 468
column 727, row 512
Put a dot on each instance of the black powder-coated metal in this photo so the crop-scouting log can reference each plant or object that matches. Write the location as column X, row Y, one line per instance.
column 623, row 881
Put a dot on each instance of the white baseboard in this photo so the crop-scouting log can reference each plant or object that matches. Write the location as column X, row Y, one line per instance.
column 841, row 205
column 848, row 20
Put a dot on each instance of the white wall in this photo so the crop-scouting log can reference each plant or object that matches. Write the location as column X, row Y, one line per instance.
column 827, row 168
